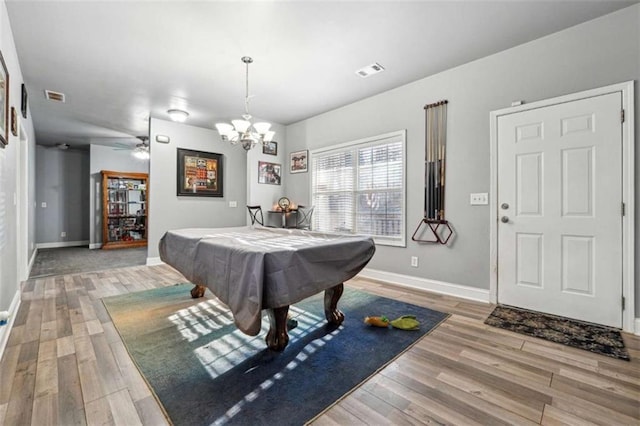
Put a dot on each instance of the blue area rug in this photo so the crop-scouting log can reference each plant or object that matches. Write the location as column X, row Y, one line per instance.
column 204, row 371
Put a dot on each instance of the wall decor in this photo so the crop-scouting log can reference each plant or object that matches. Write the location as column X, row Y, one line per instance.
column 23, row 104
column 298, row 161
column 438, row 229
column 14, row 122
column 270, row 173
column 199, row 174
column 4, row 103
column 271, row 148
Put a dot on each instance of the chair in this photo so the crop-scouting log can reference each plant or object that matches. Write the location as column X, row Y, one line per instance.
column 254, row 212
column 303, row 218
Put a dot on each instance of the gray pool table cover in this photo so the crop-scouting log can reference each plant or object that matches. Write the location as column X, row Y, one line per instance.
column 250, row 269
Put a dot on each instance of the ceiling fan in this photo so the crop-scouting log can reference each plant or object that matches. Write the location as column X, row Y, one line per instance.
column 140, row 150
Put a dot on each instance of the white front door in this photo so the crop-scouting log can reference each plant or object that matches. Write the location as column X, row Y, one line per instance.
column 559, row 209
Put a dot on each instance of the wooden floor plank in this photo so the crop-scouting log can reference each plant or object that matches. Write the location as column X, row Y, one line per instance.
column 132, row 378
column 553, row 416
column 98, row 412
column 123, row 409
column 8, row 367
column 70, row 403
column 150, row 413
column 46, row 377
column 45, row 410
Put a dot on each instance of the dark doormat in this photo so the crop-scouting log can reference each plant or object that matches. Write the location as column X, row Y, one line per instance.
column 582, row 335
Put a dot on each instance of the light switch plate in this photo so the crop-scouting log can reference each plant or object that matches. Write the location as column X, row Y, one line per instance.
column 233, row 204
column 479, row 199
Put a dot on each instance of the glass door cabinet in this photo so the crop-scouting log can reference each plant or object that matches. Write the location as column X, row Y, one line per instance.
column 124, row 209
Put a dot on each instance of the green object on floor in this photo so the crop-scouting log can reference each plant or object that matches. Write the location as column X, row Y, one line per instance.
column 406, row 322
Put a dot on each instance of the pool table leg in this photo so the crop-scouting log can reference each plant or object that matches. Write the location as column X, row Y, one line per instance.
column 331, row 311
column 277, row 337
column 198, row 291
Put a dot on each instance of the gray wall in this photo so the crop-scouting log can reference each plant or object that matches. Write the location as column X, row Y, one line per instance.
column 62, row 183
column 167, row 210
column 594, row 54
column 106, row 158
column 9, row 160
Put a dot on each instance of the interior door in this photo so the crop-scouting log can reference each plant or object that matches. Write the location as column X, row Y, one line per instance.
column 559, row 209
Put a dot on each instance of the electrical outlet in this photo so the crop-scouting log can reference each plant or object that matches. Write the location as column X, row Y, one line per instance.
column 414, row 261
column 63, row 234
column 44, row 204
column 233, row 204
column 479, row 199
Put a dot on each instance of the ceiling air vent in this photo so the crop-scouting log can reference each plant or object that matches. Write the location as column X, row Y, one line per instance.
column 54, row 96
column 374, row 68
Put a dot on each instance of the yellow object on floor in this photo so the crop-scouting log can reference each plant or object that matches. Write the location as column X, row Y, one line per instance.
column 406, row 322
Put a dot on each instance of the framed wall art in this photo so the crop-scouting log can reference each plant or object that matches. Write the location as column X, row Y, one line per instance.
column 23, row 103
column 4, row 103
column 270, row 173
column 199, row 174
column 14, row 122
column 271, row 149
column 298, row 161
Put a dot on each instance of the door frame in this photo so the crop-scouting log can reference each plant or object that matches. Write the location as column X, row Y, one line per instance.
column 628, row 190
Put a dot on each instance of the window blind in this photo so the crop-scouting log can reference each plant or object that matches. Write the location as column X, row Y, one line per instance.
column 359, row 187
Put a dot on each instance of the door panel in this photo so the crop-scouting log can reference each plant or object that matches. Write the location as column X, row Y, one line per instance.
column 560, row 192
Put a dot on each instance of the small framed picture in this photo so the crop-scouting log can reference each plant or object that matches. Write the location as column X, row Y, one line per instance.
column 4, row 103
column 270, row 173
column 14, row 122
column 271, row 149
column 298, row 161
column 23, row 105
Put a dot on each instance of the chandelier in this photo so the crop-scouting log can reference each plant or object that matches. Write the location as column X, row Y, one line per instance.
column 243, row 131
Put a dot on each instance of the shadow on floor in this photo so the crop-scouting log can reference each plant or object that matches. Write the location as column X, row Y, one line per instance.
column 70, row 260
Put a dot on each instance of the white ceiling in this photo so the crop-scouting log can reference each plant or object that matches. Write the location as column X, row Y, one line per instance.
column 119, row 62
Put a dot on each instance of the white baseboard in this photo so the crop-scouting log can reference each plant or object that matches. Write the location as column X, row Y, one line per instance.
column 441, row 287
column 5, row 330
column 95, row 246
column 62, row 244
column 153, row 261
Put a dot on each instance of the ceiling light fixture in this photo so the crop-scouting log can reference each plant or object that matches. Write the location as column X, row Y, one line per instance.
column 178, row 115
column 243, row 131
column 141, row 151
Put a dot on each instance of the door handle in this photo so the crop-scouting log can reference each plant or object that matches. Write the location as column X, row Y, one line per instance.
column 504, row 219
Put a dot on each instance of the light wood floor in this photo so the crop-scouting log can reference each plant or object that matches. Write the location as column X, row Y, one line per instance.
column 65, row 364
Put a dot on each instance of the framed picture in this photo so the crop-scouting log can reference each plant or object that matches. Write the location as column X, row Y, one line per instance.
column 298, row 161
column 23, row 105
column 4, row 103
column 199, row 174
column 271, row 149
column 14, row 122
column 270, row 173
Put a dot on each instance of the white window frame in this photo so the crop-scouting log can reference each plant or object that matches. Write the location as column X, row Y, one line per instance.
column 362, row 143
